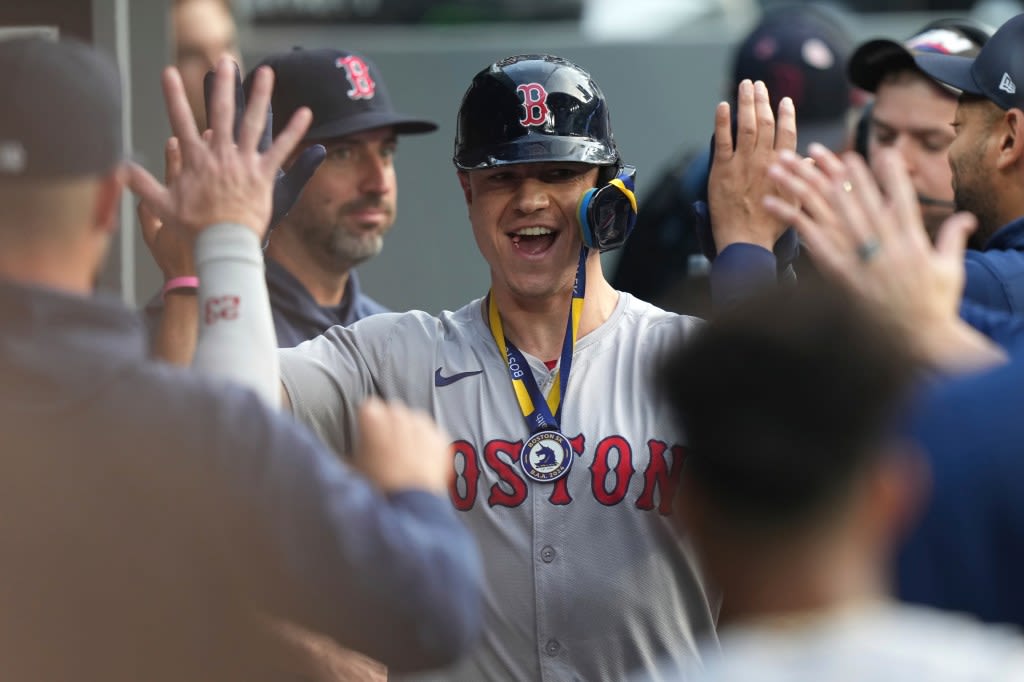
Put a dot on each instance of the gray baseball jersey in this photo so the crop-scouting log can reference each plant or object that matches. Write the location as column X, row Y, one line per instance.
column 587, row 580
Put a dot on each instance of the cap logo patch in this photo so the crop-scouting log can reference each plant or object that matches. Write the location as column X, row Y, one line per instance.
column 358, row 74
column 940, row 41
column 1007, row 84
column 817, row 54
column 535, row 104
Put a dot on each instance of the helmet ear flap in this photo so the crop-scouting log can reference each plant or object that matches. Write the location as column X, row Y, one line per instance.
column 607, row 213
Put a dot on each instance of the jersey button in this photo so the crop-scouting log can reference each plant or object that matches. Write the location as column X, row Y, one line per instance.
column 547, row 554
column 552, row 647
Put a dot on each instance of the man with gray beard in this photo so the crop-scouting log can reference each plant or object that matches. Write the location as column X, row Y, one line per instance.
column 348, row 205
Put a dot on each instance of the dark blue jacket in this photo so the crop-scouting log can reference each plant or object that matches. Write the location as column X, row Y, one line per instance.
column 298, row 318
column 147, row 513
column 967, row 554
column 995, row 275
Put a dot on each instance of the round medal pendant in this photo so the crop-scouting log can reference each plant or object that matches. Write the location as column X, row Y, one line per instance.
column 546, row 456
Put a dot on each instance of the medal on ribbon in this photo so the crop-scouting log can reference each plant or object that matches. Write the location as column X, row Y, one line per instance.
column 547, row 454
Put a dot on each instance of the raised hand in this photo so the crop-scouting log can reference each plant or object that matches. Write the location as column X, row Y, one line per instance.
column 289, row 184
column 171, row 246
column 220, row 181
column 739, row 178
column 874, row 243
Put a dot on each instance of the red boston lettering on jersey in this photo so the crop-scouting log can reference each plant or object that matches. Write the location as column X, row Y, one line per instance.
column 466, row 478
column 661, row 477
column 560, row 492
column 221, row 308
column 535, row 104
column 600, row 470
column 507, row 472
column 358, row 74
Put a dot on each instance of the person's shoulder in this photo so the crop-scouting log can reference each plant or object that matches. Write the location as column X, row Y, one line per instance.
column 179, row 401
column 640, row 315
column 914, row 637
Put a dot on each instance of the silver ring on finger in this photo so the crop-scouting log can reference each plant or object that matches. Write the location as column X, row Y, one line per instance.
column 867, row 250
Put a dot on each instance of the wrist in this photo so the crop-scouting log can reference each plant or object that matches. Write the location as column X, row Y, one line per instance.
column 180, row 285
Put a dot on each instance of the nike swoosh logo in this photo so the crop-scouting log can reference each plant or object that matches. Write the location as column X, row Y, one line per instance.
column 441, row 380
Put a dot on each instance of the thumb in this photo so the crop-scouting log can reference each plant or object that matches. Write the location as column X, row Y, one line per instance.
column 951, row 241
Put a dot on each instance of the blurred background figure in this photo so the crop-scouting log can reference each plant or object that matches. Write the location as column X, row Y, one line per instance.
column 913, row 113
column 800, row 537
column 204, row 31
column 799, row 51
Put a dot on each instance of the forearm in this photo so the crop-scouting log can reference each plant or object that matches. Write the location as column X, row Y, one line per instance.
column 178, row 328
column 740, row 271
column 236, row 329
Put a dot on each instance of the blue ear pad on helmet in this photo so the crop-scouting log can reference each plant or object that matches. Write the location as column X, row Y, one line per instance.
column 607, row 214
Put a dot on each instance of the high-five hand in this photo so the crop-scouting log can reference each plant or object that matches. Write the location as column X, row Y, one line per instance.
column 220, row 181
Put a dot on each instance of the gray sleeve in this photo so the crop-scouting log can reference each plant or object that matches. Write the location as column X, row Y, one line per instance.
column 236, row 328
column 328, row 377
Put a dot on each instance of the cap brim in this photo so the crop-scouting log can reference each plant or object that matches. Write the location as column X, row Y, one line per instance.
column 403, row 125
column 870, row 63
column 950, row 70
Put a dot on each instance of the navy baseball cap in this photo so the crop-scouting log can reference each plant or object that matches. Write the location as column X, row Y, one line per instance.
column 875, row 59
column 799, row 51
column 992, row 74
column 344, row 90
column 61, row 116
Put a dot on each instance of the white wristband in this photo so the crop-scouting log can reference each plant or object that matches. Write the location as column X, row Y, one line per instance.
column 236, row 328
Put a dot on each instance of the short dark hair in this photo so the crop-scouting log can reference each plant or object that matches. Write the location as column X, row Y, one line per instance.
column 784, row 400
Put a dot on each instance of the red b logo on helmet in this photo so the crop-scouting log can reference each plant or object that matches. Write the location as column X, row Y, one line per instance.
column 358, row 74
column 535, row 104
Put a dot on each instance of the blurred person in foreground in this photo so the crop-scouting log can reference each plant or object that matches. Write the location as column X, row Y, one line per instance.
column 965, row 554
column 796, row 492
column 147, row 534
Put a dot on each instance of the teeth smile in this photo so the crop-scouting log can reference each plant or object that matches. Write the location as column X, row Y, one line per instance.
column 532, row 232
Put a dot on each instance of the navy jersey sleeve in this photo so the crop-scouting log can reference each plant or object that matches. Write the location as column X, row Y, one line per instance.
column 740, row 271
column 396, row 577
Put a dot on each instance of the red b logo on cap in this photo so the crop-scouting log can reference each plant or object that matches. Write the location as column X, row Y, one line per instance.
column 535, row 104
column 358, row 74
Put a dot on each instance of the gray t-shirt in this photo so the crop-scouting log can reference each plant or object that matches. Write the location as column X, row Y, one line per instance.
column 587, row 578
column 867, row 643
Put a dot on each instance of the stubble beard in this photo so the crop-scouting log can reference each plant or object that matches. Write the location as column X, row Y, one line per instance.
column 973, row 201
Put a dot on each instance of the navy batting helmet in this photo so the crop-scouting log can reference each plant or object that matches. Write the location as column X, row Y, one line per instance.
column 533, row 108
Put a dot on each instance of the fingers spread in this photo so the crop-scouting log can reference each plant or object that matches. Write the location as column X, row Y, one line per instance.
column 287, row 139
column 723, row 132
column 255, row 119
column 149, row 189
column 786, row 131
column 221, row 114
column 951, row 241
column 765, row 117
column 746, row 117
column 892, row 174
column 178, row 111
column 172, row 161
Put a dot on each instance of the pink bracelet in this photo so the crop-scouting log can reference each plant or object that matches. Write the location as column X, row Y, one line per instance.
column 179, row 283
